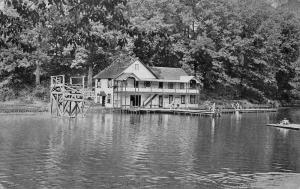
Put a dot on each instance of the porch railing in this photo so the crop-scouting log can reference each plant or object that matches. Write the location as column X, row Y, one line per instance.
column 157, row 90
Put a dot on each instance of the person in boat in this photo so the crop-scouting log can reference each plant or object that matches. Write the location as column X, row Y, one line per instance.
column 285, row 122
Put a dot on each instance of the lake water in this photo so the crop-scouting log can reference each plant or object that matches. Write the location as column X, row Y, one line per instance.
column 115, row 150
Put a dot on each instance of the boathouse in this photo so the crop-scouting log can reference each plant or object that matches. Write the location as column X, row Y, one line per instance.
column 128, row 83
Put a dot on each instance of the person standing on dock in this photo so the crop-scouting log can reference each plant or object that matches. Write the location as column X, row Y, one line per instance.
column 218, row 112
column 238, row 106
column 213, row 107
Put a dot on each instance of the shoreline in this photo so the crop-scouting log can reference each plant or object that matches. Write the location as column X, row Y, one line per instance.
column 17, row 107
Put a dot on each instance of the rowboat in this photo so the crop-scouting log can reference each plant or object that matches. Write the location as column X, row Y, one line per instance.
column 286, row 126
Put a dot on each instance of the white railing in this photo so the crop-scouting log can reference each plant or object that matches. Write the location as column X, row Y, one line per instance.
column 57, row 80
column 157, row 90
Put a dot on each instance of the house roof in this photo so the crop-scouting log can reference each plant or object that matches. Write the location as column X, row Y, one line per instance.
column 116, row 68
column 125, row 76
column 188, row 79
column 169, row 73
column 120, row 64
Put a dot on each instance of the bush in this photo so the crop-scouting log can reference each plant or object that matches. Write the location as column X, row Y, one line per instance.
column 253, row 95
column 6, row 94
column 26, row 99
column 41, row 92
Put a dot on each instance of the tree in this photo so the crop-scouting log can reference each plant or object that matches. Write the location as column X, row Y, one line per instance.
column 94, row 27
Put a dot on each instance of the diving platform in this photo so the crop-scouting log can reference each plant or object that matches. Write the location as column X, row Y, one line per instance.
column 70, row 99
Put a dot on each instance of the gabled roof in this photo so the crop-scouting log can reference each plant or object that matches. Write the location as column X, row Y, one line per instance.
column 120, row 64
column 169, row 73
column 116, row 68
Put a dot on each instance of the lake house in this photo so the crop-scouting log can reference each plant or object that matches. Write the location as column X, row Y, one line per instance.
column 127, row 83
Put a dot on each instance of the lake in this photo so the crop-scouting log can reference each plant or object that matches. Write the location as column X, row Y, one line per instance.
column 114, row 150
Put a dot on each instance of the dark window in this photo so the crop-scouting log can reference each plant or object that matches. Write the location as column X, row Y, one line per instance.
column 147, row 84
column 99, row 83
column 193, row 84
column 160, row 85
column 182, row 99
column 170, row 85
column 181, row 85
column 136, row 84
column 170, row 99
column 192, row 99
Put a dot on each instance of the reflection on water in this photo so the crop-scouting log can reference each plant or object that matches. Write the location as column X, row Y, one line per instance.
column 151, row 150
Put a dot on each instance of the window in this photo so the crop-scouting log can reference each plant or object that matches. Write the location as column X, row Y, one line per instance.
column 170, row 99
column 170, row 85
column 136, row 84
column 136, row 67
column 192, row 99
column 147, row 84
column 193, row 84
column 99, row 83
column 181, row 85
column 182, row 99
column 109, row 83
column 160, row 85
column 108, row 98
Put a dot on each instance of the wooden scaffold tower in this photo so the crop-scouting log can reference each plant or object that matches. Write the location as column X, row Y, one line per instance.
column 69, row 99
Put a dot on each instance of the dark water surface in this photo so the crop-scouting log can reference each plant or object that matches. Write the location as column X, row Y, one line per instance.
column 149, row 151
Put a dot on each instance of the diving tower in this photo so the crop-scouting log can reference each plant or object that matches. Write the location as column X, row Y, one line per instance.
column 70, row 99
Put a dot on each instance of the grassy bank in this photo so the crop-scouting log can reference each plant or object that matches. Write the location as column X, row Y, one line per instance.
column 17, row 106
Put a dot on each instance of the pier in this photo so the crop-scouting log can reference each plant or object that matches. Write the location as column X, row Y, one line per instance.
column 195, row 112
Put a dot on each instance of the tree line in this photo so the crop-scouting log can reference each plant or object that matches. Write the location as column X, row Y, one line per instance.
column 237, row 48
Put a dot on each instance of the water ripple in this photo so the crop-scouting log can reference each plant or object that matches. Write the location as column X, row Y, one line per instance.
column 146, row 151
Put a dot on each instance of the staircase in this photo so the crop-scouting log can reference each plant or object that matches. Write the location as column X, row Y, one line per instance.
column 149, row 99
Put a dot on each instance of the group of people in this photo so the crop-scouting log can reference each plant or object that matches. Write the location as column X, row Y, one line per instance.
column 236, row 106
column 285, row 121
column 215, row 109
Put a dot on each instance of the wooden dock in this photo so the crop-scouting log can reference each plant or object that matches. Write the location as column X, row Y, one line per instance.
column 250, row 110
column 193, row 112
column 168, row 111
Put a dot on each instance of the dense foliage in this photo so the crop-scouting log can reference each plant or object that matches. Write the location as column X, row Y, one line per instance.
column 237, row 48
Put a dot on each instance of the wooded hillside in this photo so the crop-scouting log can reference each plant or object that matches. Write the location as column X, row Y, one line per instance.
column 237, row 48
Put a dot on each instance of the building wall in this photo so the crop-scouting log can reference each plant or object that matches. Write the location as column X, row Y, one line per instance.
column 121, row 98
column 141, row 72
column 108, row 90
column 176, row 103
